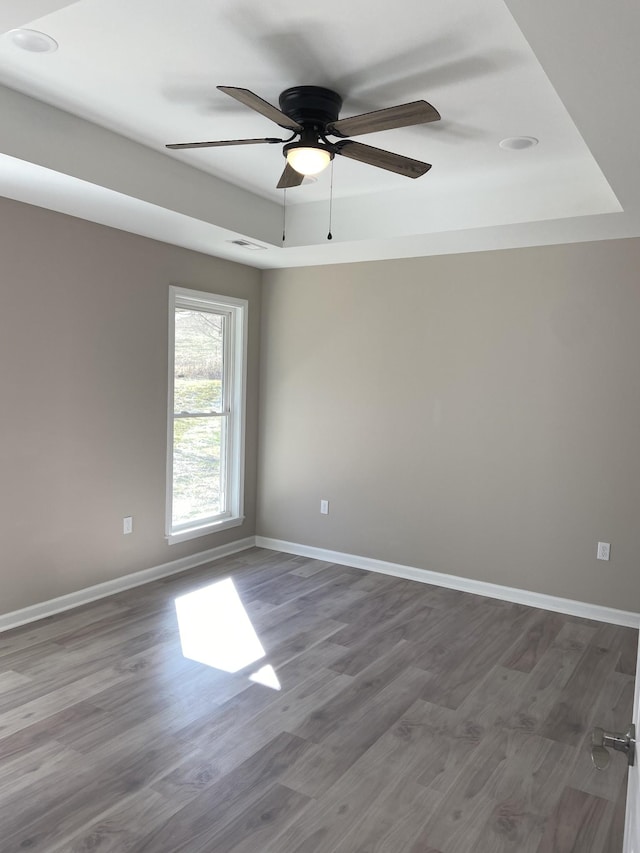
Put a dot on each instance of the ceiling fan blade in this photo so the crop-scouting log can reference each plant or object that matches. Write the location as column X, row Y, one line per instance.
column 290, row 178
column 255, row 102
column 222, row 142
column 382, row 159
column 404, row 115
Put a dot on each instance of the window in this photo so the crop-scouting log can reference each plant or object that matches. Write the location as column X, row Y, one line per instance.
column 207, row 368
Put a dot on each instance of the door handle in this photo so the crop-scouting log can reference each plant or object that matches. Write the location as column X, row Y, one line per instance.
column 600, row 740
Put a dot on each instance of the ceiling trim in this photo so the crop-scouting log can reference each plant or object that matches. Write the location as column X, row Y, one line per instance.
column 90, row 153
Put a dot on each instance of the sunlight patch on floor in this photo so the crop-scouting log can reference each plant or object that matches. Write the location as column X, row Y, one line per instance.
column 267, row 676
column 215, row 629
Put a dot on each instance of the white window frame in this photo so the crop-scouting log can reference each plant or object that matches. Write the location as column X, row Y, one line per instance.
column 234, row 406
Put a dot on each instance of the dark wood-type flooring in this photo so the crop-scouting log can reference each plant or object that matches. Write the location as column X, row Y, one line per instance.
column 409, row 719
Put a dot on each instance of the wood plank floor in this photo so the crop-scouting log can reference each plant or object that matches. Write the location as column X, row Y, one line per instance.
column 385, row 716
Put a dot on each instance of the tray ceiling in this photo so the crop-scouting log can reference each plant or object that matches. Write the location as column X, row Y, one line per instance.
column 86, row 125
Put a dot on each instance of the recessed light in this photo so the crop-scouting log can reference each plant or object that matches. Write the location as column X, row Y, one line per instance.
column 33, row 41
column 517, row 143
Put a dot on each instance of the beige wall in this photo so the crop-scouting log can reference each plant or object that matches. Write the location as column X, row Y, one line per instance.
column 477, row 415
column 83, row 390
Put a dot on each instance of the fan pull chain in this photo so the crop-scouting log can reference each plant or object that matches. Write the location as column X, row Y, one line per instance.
column 284, row 214
column 330, row 235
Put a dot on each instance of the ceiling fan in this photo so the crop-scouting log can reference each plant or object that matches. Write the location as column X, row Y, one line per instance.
column 311, row 113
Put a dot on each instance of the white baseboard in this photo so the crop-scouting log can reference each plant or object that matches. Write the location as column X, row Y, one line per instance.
column 490, row 590
column 102, row 590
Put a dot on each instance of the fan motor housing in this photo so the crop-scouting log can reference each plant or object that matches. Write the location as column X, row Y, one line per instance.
column 311, row 105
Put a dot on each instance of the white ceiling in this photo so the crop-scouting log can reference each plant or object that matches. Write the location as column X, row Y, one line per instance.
column 84, row 128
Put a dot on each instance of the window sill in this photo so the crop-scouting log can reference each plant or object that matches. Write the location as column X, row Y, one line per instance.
column 206, row 530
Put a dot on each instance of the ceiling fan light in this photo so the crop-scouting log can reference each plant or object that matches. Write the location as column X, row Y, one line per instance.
column 308, row 161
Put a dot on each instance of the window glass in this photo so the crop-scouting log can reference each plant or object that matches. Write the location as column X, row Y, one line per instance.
column 207, row 338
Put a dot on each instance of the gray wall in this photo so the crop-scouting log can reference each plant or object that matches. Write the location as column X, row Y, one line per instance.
column 476, row 414
column 83, row 389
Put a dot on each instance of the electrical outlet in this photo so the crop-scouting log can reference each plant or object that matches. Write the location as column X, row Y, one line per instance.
column 127, row 524
column 324, row 507
column 604, row 549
